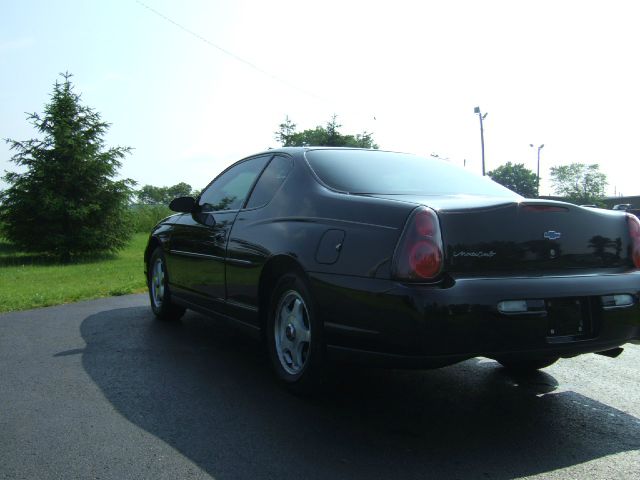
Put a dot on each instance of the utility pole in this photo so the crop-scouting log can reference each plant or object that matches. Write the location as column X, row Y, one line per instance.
column 538, row 172
column 482, row 117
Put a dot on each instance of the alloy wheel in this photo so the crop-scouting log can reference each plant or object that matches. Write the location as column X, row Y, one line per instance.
column 292, row 332
column 157, row 283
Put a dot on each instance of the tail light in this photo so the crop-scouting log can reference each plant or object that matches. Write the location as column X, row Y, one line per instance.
column 544, row 208
column 634, row 232
column 419, row 255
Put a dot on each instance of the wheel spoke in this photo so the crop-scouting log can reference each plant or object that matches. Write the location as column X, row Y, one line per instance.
column 298, row 322
column 287, row 356
column 285, row 343
column 303, row 335
column 304, row 352
column 282, row 340
column 297, row 308
column 297, row 355
column 282, row 320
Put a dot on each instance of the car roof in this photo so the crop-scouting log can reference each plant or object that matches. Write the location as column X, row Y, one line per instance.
column 302, row 150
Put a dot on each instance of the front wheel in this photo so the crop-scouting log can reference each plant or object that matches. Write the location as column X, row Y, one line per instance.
column 527, row 365
column 159, row 294
column 294, row 336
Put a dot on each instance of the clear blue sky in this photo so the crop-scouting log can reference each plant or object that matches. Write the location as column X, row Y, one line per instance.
column 560, row 73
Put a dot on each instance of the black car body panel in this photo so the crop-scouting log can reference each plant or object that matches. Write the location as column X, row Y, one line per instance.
column 563, row 260
column 459, row 321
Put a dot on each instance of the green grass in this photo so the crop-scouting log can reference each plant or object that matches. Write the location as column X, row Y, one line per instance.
column 28, row 281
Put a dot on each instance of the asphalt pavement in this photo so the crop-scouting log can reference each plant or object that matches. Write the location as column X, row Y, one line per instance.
column 100, row 390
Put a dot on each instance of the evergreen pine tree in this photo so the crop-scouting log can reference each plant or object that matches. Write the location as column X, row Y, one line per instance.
column 67, row 200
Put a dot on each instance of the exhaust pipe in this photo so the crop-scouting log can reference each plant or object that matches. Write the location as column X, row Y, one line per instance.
column 613, row 353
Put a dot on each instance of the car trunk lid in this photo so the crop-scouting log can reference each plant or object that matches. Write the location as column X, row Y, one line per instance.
column 484, row 235
column 534, row 236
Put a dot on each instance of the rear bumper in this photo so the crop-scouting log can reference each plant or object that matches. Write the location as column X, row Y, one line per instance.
column 383, row 322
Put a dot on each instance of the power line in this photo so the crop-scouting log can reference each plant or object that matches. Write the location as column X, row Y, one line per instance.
column 231, row 54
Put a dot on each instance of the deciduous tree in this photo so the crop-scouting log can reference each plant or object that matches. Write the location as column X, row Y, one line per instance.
column 329, row 135
column 516, row 177
column 579, row 183
column 151, row 195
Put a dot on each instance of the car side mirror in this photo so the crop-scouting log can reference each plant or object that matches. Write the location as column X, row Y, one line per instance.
column 183, row 204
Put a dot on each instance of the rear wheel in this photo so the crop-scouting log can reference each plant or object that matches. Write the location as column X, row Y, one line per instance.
column 159, row 294
column 294, row 336
column 527, row 365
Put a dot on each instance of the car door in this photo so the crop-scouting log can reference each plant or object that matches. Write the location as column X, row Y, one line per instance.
column 196, row 258
column 252, row 236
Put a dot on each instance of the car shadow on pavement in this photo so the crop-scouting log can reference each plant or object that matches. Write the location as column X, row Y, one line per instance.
column 209, row 393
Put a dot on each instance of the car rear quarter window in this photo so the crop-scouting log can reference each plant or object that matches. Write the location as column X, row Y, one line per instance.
column 374, row 171
column 270, row 181
column 229, row 190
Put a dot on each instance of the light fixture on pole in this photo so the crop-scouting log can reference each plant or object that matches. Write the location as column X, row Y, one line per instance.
column 538, row 172
column 481, row 117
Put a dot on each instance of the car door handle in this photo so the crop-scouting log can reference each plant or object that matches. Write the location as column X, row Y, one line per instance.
column 219, row 237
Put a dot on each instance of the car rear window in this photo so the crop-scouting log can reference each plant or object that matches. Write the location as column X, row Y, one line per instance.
column 374, row 171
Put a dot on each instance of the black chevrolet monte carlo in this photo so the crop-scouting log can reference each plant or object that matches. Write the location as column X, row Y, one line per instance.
column 391, row 259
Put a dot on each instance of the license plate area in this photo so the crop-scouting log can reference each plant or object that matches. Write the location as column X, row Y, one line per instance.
column 569, row 319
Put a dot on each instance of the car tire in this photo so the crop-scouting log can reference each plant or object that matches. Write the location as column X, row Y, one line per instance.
column 159, row 294
column 527, row 365
column 295, row 336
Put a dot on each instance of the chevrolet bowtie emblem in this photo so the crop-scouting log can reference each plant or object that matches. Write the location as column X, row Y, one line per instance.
column 552, row 235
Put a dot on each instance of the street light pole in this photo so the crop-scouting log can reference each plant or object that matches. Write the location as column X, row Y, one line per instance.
column 538, row 173
column 481, row 117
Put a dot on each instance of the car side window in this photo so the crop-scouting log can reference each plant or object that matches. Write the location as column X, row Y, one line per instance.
column 229, row 190
column 270, row 181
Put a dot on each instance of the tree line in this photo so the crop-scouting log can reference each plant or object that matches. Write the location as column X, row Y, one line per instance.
column 577, row 183
column 67, row 200
column 327, row 135
column 152, row 195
